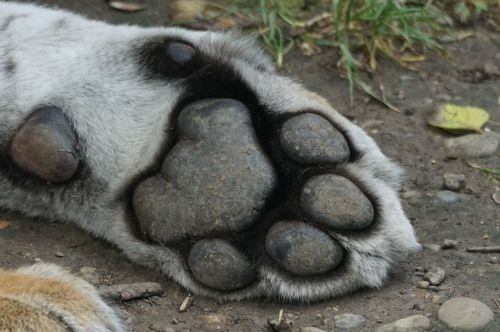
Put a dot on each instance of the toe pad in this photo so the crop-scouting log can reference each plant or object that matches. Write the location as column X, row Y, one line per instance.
column 217, row 264
column 311, row 139
column 302, row 249
column 45, row 146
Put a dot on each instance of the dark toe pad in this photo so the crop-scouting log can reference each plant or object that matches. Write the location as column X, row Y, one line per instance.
column 45, row 146
column 336, row 202
column 311, row 139
column 302, row 249
column 217, row 264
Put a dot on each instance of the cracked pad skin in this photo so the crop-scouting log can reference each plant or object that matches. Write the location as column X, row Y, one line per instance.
column 215, row 179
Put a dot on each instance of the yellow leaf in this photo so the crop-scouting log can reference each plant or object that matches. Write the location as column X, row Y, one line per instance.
column 459, row 118
column 4, row 224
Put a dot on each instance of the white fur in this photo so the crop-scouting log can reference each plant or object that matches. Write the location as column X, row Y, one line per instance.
column 86, row 68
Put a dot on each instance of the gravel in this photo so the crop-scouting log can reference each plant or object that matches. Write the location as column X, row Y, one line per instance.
column 435, row 275
column 454, row 182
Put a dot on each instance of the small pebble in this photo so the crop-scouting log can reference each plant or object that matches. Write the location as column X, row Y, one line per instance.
column 37, row 260
column 465, row 314
column 431, row 246
column 448, row 197
column 454, row 182
column 59, row 254
column 418, row 307
column 494, row 260
column 449, row 244
column 416, row 323
column 434, row 288
column 472, row 145
column 349, row 321
column 423, row 284
column 491, row 69
column 435, row 275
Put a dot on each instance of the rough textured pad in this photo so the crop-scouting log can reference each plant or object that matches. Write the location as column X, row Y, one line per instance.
column 302, row 249
column 215, row 179
column 45, row 146
column 311, row 139
column 336, row 202
column 217, row 264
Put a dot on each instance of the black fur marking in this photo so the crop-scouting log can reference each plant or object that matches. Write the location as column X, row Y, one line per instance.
column 10, row 66
column 61, row 23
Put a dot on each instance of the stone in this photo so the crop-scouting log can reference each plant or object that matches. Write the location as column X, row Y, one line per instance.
column 336, row 202
column 472, row 145
column 465, row 314
column 219, row 265
column 311, row 139
column 447, row 197
column 415, row 323
column 422, row 284
column 311, row 329
column 449, row 244
column 349, row 321
column 454, row 182
column 302, row 249
column 491, row 69
column 435, row 275
column 431, row 246
column 59, row 254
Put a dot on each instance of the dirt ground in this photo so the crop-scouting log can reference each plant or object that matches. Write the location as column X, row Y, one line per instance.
column 473, row 220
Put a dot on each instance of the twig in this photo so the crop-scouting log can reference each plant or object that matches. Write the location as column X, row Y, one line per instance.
column 186, row 303
column 484, row 249
column 496, row 303
column 125, row 292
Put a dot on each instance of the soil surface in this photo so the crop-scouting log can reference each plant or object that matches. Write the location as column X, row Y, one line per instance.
column 472, row 219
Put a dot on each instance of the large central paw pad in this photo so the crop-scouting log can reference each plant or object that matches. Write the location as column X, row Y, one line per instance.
column 284, row 211
column 215, row 179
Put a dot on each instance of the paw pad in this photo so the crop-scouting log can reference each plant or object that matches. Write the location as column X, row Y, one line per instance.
column 302, row 249
column 336, row 202
column 240, row 215
column 46, row 146
column 310, row 139
column 214, row 180
column 217, row 264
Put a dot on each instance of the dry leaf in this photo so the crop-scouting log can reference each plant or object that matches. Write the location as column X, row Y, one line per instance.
column 4, row 224
column 455, row 118
column 309, row 49
column 188, row 9
column 126, row 6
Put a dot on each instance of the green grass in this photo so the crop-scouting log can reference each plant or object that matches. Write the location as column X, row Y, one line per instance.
column 362, row 30
column 277, row 42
